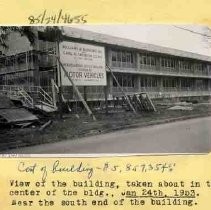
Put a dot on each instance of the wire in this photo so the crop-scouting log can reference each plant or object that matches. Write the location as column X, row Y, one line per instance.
column 191, row 31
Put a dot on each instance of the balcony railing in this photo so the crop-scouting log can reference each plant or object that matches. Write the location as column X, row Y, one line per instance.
column 18, row 62
column 174, row 71
column 16, row 68
column 123, row 64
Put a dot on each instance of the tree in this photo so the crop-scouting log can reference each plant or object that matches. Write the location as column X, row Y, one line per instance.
column 53, row 33
column 26, row 31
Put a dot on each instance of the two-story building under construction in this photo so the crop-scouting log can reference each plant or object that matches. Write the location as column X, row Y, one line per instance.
column 161, row 72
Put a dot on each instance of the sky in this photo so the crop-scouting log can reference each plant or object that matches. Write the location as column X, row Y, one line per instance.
column 163, row 35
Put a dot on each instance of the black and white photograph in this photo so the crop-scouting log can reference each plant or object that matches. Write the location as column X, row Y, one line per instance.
column 105, row 89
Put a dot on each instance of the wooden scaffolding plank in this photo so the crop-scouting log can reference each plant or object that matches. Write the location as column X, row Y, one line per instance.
column 126, row 97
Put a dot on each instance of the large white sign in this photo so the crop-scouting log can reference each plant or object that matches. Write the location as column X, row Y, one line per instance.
column 84, row 63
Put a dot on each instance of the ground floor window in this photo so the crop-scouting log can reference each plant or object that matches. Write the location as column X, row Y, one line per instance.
column 124, row 80
column 147, row 81
column 187, row 83
column 170, row 82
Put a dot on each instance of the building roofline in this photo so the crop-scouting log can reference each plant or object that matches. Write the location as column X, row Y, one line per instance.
column 105, row 39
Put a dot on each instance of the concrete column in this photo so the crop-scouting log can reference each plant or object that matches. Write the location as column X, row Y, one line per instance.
column 108, row 57
column 138, row 61
column 177, row 65
column 209, row 85
column 109, row 84
column 160, row 81
column 158, row 63
column 137, row 80
column 195, row 88
column 180, row 84
column 137, row 83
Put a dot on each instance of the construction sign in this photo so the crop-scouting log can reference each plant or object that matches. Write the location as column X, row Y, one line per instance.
column 84, row 63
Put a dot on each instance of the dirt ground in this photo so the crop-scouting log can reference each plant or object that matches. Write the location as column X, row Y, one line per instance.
column 71, row 127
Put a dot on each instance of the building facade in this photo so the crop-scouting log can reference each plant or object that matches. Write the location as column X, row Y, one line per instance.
column 161, row 72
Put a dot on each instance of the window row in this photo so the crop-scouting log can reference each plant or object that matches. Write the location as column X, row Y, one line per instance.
column 149, row 60
column 170, row 82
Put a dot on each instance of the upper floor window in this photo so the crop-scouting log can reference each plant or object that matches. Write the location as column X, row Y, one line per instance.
column 122, row 58
column 198, row 66
column 168, row 63
column 147, row 60
column 209, row 69
column 186, row 65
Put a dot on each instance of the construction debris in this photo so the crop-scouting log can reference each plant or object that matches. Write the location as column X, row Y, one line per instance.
column 16, row 116
column 183, row 103
column 45, row 108
column 5, row 102
column 9, row 114
column 188, row 108
column 44, row 126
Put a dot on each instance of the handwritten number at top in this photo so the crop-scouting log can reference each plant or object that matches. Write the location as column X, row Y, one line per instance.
column 60, row 17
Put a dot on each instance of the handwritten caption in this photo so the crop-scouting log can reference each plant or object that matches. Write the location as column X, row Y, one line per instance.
column 60, row 17
column 89, row 171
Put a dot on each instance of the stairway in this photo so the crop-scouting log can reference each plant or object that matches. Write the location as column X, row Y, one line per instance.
column 32, row 97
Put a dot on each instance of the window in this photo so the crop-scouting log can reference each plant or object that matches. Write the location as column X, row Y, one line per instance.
column 168, row 63
column 187, row 83
column 153, row 61
column 124, row 81
column 198, row 67
column 119, row 56
column 170, row 82
column 122, row 58
column 185, row 65
column 114, row 56
column 129, row 58
column 148, row 81
column 147, row 60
